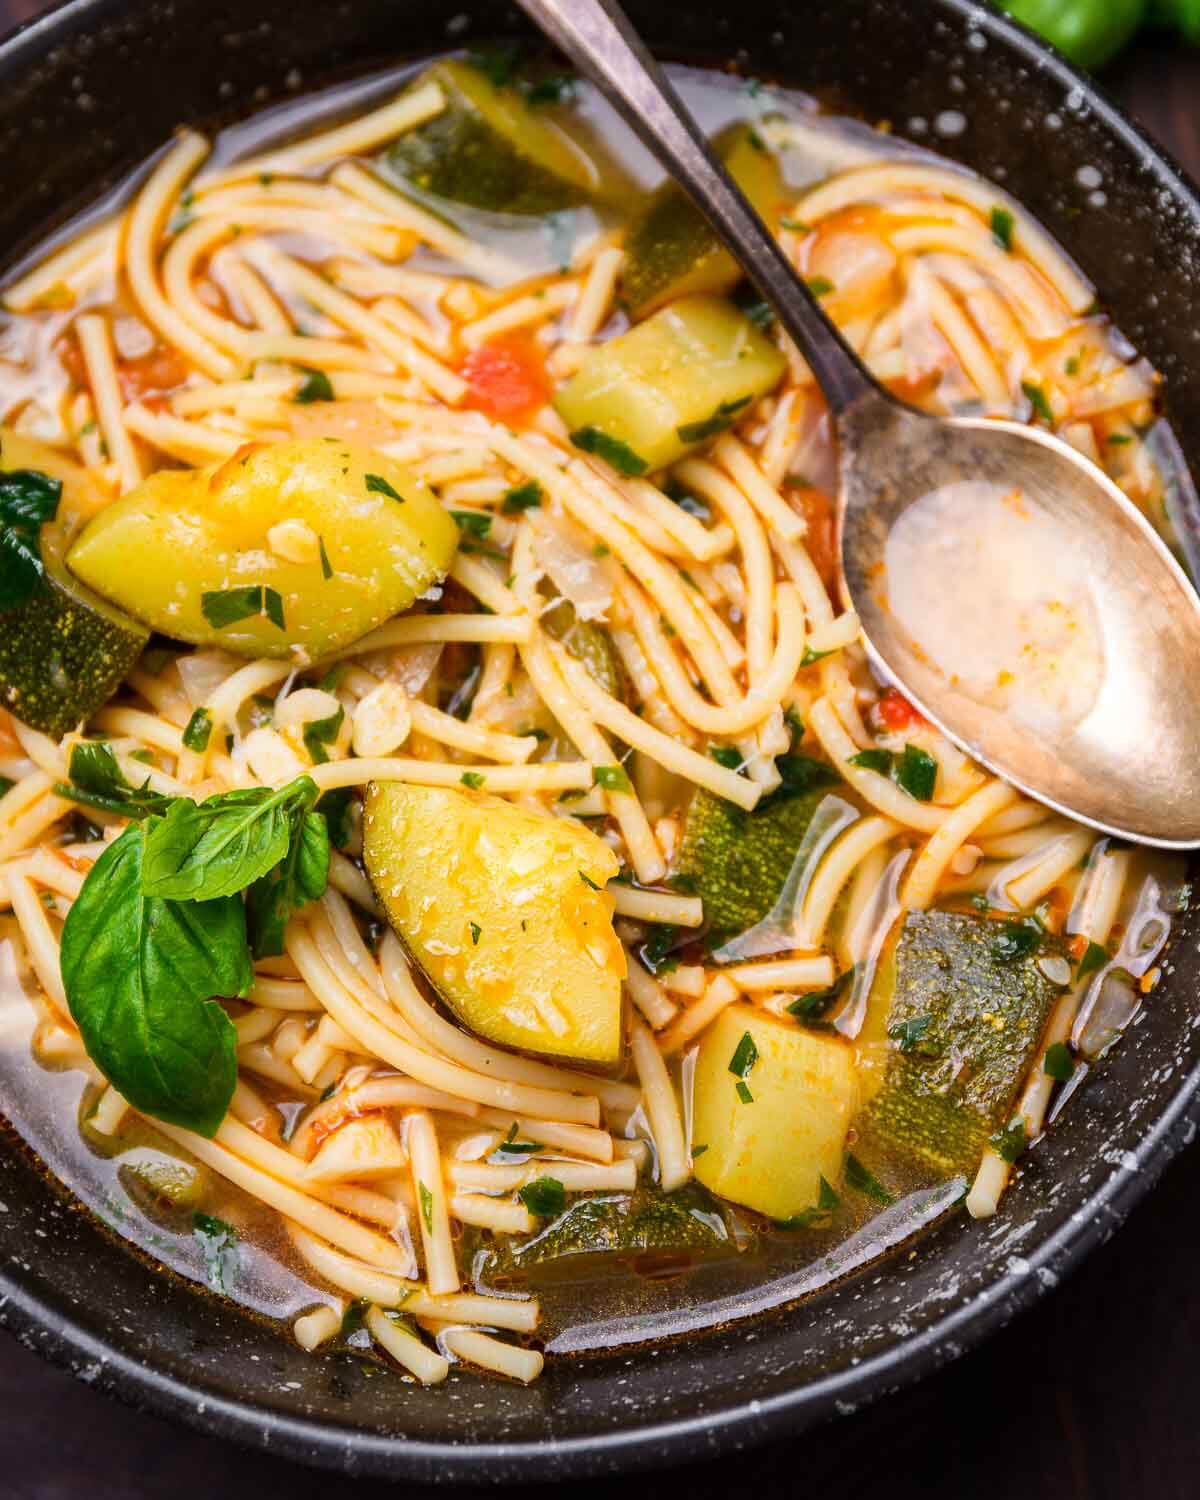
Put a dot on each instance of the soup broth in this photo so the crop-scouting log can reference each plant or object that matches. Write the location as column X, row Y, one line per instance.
column 470, row 897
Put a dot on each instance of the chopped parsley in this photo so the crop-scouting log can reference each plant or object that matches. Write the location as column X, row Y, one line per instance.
column 222, row 607
column 819, row 286
column 476, row 933
column 591, row 884
column 199, row 730
column 1002, row 227
column 318, row 733
column 473, row 779
column 426, row 1198
column 522, row 497
column 326, row 565
column 811, row 1009
column 613, row 779
column 476, row 523
column 314, row 387
column 864, row 1181
column 745, row 1055
column 1037, row 399
column 722, row 417
column 378, row 485
column 1095, row 956
column 726, row 755
column 1015, row 940
column 620, row 455
column 915, row 771
column 1058, row 1062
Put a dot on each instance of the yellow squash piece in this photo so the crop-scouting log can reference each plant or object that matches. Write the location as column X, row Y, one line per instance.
column 770, row 1150
column 646, row 398
column 505, row 910
column 285, row 549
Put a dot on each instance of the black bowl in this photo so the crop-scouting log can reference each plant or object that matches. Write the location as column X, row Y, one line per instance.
column 88, row 92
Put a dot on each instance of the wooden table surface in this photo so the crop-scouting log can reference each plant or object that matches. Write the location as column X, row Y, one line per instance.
column 1090, row 1396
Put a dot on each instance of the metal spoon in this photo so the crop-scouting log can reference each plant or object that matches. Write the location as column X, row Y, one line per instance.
column 1102, row 721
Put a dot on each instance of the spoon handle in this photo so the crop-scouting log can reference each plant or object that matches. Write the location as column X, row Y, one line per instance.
column 597, row 36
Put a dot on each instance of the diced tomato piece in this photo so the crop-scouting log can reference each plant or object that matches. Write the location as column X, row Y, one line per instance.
column 507, row 378
column 821, row 536
column 153, row 375
column 897, row 712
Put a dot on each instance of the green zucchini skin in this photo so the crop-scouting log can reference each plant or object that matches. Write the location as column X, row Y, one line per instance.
column 461, row 155
column 672, row 251
column 590, row 644
column 737, row 861
column 941, row 1100
column 64, row 653
column 688, row 1221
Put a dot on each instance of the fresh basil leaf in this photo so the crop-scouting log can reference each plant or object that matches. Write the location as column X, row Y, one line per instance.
column 200, row 852
column 545, row 1196
column 656, row 953
column 337, row 807
column 27, row 500
column 299, row 878
column 864, row 1181
column 612, row 450
column 98, row 781
column 318, row 733
column 475, row 523
column 141, row 975
column 315, row 387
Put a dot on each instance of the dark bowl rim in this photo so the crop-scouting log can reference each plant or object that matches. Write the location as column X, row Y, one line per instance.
column 66, row 1343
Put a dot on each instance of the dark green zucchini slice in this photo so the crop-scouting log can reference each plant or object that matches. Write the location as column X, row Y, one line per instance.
column 646, row 1222
column 737, row 861
column 64, row 652
column 965, row 1021
column 671, row 250
column 491, row 149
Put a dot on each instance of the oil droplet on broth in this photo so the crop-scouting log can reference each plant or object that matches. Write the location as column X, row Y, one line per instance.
column 996, row 596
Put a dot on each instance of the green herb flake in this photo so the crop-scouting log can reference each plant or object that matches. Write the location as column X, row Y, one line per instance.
column 1072, row 365
column 916, row 773
column 864, row 1181
column 819, row 286
column 476, row 933
column 98, row 781
column 1009, row 1144
column 722, row 417
column 473, row 779
column 522, row 497
column 1058, row 1063
column 1002, row 228
column 556, row 89
column 728, row 756
column 611, row 449
column 1118, row 439
column 318, row 733
column 811, row 1009
column 218, row 1243
column 1037, row 399
column 273, row 608
column 545, row 1197
column 797, row 226
column 1095, row 956
column 591, row 884
column 314, row 387
column 656, row 953
column 819, row 1215
column 377, row 485
column 223, row 607
column 198, row 731
column 326, row 565
column 426, row 1198
column 907, row 1034
column 745, row 1055
column 28, row 499
column 613, row 779
column 698, row 1151
column 743, row 1091
column 1015, row 940
column 476, row 523
column 873, row 759
column 810, row 656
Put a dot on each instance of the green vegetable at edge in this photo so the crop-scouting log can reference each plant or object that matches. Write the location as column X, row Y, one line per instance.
column 1087, row 32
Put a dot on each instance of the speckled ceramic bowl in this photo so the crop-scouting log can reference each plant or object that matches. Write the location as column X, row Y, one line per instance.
column 88, row 92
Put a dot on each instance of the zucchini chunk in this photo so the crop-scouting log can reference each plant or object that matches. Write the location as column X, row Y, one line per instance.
column 505, row 911
column 64, row 652
column 285, row 549
column 772, row 1114
column 491, row 149
column 590, row 644
column 609, row 1226
column 736, row 861
column 672, row 251
column 964, row 1022
column 647, row 397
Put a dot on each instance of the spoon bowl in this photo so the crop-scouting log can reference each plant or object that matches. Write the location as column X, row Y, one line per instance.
column 1030, row 611
column 1043, row 626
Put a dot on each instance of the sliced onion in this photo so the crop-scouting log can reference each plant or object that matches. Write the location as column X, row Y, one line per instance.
column 1112, row 1004
column 568, row 559
column 410, row 666
column 203, row 672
